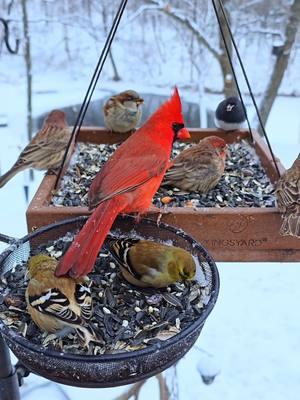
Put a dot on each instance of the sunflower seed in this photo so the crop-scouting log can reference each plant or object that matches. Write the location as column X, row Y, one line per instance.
column 127, row 318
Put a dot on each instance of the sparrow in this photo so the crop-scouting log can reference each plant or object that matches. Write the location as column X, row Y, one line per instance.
column 145, row 263
column 59, row 305
column 46, row 150
column 287, row 191
column 230, row 114
column 123, row 111
column 198, row 168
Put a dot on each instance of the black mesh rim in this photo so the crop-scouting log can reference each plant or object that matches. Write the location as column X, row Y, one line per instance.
column 215, row 282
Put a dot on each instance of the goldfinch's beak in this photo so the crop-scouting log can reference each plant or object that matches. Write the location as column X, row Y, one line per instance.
column 183, row 134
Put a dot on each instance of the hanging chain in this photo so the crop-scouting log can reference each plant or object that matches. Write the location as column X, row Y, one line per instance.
column 245, row 76
column 92, row 85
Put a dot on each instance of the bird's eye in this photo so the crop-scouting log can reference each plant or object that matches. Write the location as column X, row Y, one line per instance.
column 176, row 126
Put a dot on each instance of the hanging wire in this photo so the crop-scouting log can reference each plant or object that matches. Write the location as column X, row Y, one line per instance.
column 232, row 68
column 245, row 76
column 92, row 85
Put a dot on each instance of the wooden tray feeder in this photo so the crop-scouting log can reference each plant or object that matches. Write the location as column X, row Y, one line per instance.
column 229, row 234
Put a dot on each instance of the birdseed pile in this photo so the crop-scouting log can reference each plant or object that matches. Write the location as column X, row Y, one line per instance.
column 244, row 183
column 126, row 318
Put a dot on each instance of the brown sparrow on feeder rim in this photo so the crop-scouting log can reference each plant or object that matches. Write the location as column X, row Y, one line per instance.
column 288, row 199
column 122, row 112
column 46, row 150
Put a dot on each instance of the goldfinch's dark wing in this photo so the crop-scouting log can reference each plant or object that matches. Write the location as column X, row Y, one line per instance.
column 120, row 249
column 84, row 299
column 53, row 302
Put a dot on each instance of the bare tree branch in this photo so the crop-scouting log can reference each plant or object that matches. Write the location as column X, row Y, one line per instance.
column 178, row 16
column 164, row 393
column 134, row 390
column 281, row 63
column 28, row 64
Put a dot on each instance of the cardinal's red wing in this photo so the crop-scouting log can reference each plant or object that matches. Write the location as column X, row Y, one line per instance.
column 126, row 175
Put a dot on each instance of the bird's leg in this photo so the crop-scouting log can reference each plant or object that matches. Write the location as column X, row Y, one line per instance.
column 138, row 217
column 131, row 131
column 52, row 171
column 153, row 209
column 49, row 338
column 58, row 335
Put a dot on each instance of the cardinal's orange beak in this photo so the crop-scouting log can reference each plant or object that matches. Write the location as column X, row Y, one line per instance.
column 183, row 134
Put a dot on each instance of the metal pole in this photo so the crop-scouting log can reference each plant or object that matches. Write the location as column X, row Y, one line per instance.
column 9, row 385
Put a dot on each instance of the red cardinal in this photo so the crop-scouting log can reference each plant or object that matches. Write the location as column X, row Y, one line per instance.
column 126, row 183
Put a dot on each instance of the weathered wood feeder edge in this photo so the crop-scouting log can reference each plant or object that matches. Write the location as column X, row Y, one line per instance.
column 229, row 234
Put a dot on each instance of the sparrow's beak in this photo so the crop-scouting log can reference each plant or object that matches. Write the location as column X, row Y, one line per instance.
column 139, row 101
column 183, row 134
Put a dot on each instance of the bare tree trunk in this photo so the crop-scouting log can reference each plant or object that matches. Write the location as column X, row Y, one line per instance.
column 88, row 5
column 66, row 33
column 164, row 393
column 281, row 63
column 27, row 56
column 220, row 56
column 116, row 76
column 3, row 35
column 133, row 391
column 229, row 83
column 28, row 65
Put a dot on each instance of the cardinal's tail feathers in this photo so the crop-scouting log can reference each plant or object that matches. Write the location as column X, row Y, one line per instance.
column 80, row 257
column 10, row 174
column 291, row 224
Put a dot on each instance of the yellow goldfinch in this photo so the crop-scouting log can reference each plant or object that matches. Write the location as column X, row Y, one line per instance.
column 149, row 264
column 58, row 305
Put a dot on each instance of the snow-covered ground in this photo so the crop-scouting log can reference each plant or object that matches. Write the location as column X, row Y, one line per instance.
column 254, row 330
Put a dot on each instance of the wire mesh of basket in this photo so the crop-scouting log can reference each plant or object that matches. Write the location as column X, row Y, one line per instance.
column 108, row 369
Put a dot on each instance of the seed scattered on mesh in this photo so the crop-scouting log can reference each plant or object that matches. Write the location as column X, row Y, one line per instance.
column 244, row 183
column 126, row 317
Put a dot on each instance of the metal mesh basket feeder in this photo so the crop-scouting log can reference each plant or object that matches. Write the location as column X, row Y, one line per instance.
column 106, row 370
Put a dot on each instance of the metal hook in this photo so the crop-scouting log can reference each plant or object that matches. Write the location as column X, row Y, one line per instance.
column 6, row 38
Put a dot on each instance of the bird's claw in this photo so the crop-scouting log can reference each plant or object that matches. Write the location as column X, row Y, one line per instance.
column 49, row 339
column 52, row 171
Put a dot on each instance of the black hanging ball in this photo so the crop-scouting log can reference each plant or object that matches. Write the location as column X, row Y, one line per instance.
column 230, row 114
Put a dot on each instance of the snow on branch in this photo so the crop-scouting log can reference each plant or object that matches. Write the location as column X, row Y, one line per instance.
column 140, row 11
column 180, row 17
